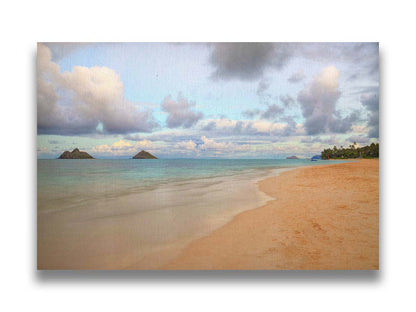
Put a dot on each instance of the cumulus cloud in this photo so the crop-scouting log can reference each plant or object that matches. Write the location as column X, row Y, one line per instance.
column 210, row 126
column 360, row 129
column 228, row 127
column 208, row 147
column 297, row 77
column 122, row 148
column 79, row 101
column 247, row 61
column 318, row 102
column 180, row 113
column 358, row 139
column 168, row 136
column 210, row 144
column 371, row 102
column 324, row 140
column 188, row 145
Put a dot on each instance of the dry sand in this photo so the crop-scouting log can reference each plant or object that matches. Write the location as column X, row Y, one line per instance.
column 323, row 217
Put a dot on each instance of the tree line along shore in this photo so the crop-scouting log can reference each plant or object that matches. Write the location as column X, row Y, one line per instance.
column 353, row 151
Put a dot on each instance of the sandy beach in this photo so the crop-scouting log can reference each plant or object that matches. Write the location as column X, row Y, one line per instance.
column 322, row 218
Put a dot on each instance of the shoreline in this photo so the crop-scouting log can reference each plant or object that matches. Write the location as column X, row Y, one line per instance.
column 158, row 259
column 334, row 225
column 119, row 234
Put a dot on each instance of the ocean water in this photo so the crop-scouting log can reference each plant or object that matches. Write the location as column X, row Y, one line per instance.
column 113, row 214
column 60, row 180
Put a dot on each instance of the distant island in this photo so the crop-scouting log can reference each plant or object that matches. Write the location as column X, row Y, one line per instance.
column 144, row 155
column 75, row 154
column 292, row 157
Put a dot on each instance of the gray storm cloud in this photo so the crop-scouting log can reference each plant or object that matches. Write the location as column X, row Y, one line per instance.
column 180, row 113
column 247, row 61
column 371, row 102
column 78, row 102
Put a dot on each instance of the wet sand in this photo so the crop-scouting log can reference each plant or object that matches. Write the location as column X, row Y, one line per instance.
column 140, row 229
column 322, row 218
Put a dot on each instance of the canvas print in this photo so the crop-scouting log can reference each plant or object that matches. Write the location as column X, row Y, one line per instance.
column 208, row 156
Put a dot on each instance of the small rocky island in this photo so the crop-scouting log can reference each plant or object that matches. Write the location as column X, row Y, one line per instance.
column 75, row 154
column 144, row 155
column 292, row 157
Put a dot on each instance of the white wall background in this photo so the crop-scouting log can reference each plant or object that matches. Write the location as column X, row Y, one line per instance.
column 23, row 23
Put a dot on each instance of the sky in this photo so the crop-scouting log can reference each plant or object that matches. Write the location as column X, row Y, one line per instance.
column 206, row 100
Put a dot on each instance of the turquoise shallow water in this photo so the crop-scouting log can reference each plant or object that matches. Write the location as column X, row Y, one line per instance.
column 148, row 172
column 61, row 179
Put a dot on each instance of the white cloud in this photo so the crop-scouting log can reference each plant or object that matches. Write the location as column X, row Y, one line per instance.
column 188, row 145
column 77, row 102
column 210, row 144
column 43, row 149
column 359, row 129
column 225, row 126
column 209, row 147
column 122, row 148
